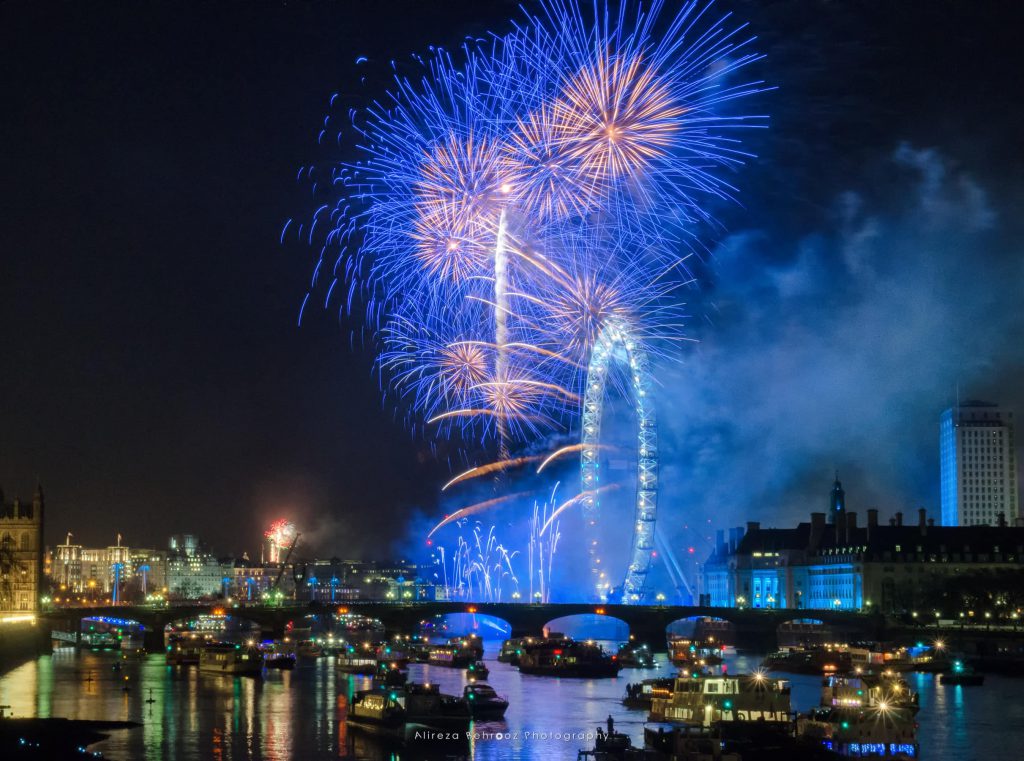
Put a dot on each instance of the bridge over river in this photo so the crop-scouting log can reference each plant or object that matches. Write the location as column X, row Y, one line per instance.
column 751, row 628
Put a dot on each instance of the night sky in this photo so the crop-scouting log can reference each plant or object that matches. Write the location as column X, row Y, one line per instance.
column 154, row 377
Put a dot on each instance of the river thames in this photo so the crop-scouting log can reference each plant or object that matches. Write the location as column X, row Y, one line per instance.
column 300, row 714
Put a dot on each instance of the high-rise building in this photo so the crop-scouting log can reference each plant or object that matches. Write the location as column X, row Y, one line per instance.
column 979, row 465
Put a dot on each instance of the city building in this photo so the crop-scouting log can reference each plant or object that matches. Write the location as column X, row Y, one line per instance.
column 147, row 573
column 194, row 572
column 337, row 580
column 252, row 580
column 887, row 567
column 978, row 460
column 21, row 553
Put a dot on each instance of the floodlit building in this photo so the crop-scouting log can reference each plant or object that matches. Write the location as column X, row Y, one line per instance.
column 846, row 566
column 21, row 553
column 978, row 459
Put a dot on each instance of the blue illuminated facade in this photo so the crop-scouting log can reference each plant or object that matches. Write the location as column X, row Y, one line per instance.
column 841, row 565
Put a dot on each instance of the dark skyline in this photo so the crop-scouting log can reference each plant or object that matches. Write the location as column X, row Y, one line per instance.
column 154, row 377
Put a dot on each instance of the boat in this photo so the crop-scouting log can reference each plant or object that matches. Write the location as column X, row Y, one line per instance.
column 422, row 704
column 352, row 661
column 879, row 731
column 484, row 703
column 867, row 690
column 184, row 651
column 452, row 656
column 810, row 660
column 963, row 675
column 471, row 642
column 707, row 700
column 568, row 658
column 640, row 694
column 279, row 661
column 278, row 654
column 391, row 654
column 308, row 648
column 635, row 655
column 231, row 658
column 477, row 670
column 511, row 649
column 684, row 652
column 389, row 675
column 376, row 709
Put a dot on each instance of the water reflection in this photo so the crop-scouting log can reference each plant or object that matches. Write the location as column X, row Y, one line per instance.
column 301, row 714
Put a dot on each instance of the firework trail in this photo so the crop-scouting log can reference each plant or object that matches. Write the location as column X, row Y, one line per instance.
column 493, row 467
column 541, row 549
column 465, row 512
column 569, row 450
column 588, row 493
column 480, row 565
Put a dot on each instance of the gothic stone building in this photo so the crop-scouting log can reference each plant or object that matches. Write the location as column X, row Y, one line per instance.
column 21, row 553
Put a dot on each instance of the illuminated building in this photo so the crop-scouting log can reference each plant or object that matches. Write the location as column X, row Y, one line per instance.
column 334, row 580
column 193, row 572
column 66, row 566
column 978, row 459
column 845, row 566
column 21, row 553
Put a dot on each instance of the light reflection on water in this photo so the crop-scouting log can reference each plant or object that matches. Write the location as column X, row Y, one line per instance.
column 300, row 714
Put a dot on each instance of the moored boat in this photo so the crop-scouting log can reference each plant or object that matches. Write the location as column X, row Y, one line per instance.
column 231, row 658
column 184, row 650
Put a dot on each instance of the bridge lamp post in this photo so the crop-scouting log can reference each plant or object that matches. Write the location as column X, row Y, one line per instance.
column 660, row 597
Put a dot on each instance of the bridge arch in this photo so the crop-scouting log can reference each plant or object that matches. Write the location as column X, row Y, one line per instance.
column 589, row 626
column 464, row 623
column 710, row 629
